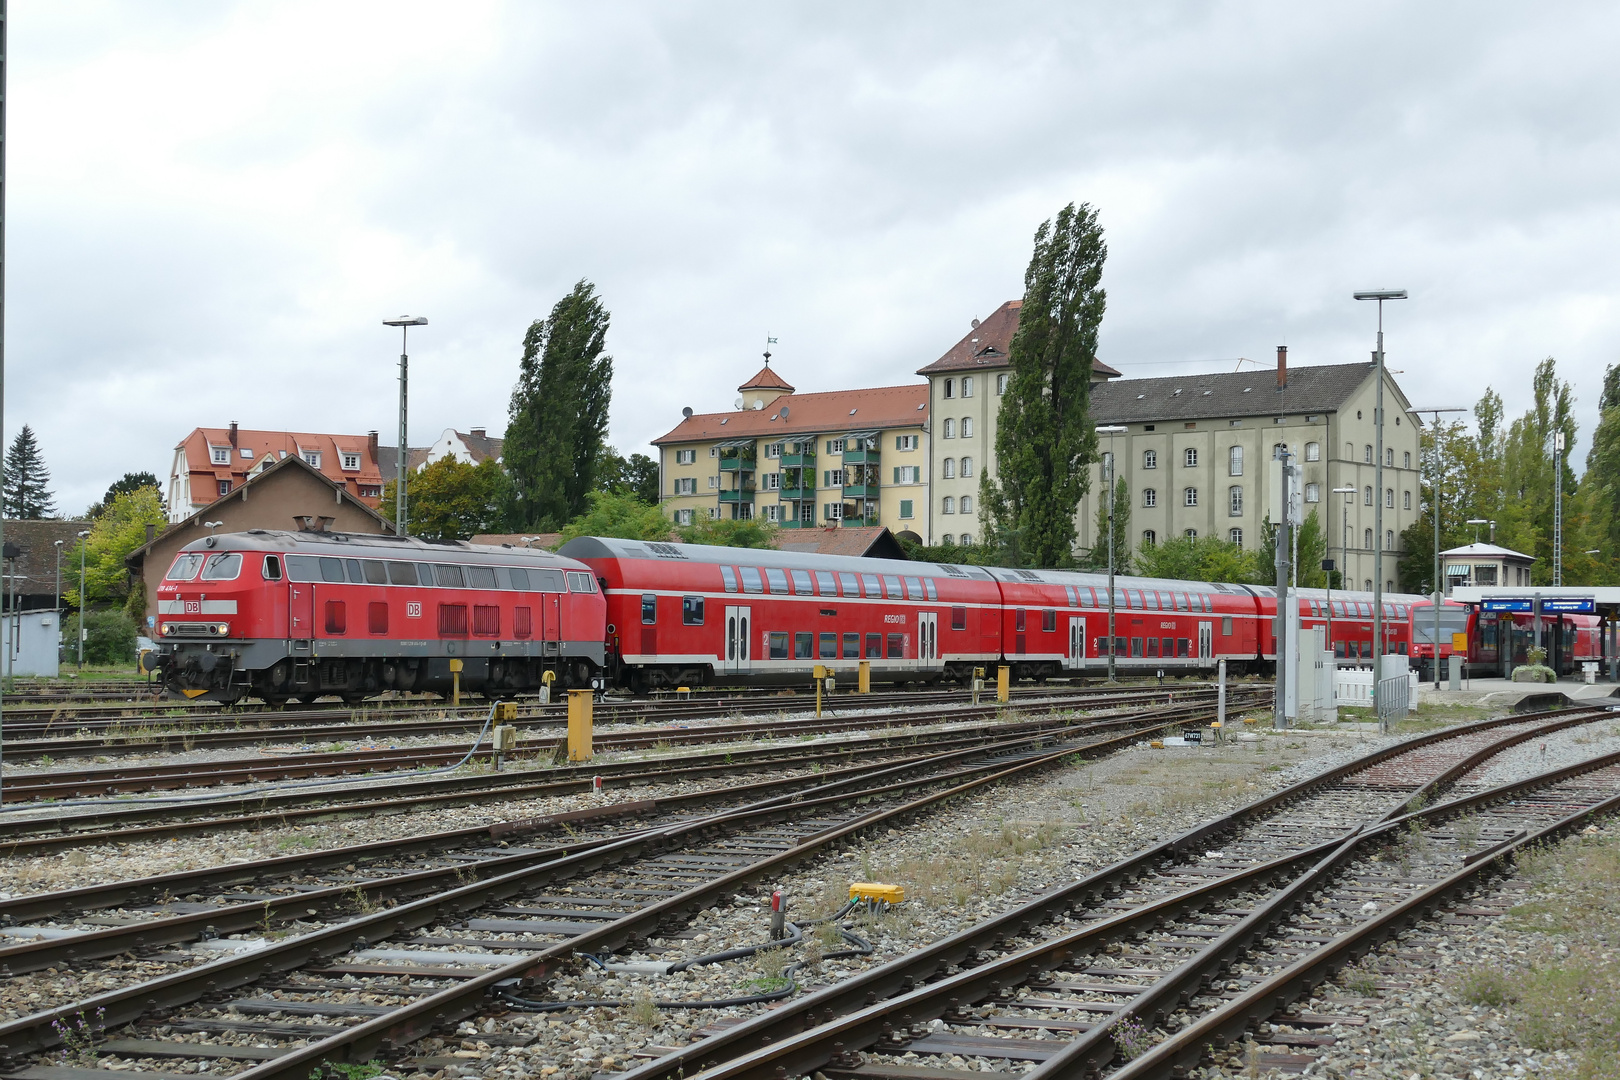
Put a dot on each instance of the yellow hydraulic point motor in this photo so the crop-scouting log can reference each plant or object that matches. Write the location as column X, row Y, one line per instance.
column 506, row 710
column 873, row 891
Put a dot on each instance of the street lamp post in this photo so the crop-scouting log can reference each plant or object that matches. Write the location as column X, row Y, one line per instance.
column 1344, row 556
column 1379, row 295
column 1439, row 591
column 404, row 322
column 82, row 546
column 1111, row 431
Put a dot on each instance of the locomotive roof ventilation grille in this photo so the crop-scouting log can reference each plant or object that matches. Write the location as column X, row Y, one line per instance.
column 666, row 551
column 1029, row 575
column 954, row 571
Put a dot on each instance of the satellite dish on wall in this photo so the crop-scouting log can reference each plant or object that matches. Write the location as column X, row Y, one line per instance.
column 739, row 403
column 687, row 412
column 759, row 403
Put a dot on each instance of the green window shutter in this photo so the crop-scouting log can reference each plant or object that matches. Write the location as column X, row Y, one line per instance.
column 897, row 474
column 905, row 508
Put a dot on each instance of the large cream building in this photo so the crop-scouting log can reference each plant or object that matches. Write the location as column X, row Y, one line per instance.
column 847, row 457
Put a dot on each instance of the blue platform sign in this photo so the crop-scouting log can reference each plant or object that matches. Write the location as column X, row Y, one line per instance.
column 1569, row 605
column 1508, row 605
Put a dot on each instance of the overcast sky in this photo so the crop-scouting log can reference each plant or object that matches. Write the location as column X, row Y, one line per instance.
column 212, row 206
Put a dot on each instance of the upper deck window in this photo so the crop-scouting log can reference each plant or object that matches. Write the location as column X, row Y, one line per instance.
column 752, row 581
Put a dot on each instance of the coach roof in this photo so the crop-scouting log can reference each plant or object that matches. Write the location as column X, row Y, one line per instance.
column 602, row 547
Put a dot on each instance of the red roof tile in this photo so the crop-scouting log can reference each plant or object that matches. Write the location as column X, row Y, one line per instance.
column 830, row 413
column 987, row 346
column 767, row 380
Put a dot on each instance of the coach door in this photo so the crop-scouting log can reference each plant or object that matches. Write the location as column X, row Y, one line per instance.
column 1077, row 642
column 1206, row 643
column 738, row 620
column 300, row 610
column 928, row 639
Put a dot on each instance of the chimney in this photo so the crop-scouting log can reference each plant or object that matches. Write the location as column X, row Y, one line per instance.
column 478, row 432
column 371, row 445
column 233, row 433
column 1282, row 367
column 151, row 533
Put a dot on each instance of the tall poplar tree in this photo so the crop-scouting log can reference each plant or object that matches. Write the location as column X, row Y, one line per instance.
column 559, row 412
column 28, row 482
column 1045, row 439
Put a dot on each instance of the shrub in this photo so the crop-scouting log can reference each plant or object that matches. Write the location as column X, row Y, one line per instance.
column 109, row 637
column 1534, row 673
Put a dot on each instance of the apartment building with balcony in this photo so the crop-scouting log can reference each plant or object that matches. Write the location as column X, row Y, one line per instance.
column 845, row 457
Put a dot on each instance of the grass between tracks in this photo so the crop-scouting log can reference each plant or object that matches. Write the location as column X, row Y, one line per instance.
column 1566, row 993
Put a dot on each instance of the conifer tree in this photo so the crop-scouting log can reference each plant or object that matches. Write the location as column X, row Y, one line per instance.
column 1045, row 439
column 559, row 412
column 27, row 481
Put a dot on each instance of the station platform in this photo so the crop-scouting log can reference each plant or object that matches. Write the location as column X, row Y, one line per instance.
column 1500, row 693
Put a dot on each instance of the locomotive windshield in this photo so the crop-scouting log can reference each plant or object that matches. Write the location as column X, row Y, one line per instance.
column 185, row 566
column 225, row 566
column 1452, row 621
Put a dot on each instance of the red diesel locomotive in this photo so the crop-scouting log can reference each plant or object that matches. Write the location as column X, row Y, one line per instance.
column 283, row 615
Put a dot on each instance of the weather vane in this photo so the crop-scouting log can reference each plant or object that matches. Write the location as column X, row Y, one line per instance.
column 768, row 343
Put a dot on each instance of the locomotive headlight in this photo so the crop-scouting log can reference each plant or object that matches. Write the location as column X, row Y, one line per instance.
column 168, row 628
column 222, row 629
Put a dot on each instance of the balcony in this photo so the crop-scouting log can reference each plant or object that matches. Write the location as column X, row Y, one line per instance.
column 862, row 457
column 745, row 495
column 861, row 491
column 804, row 460
column 732, row 462
column 798, row 490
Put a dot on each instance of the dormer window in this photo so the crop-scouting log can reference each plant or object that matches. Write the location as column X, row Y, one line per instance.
column 221, row 455
column 313, row 457
column 351, row 462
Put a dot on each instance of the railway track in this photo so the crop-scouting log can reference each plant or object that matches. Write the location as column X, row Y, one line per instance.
column 354, row 1002
column 530, row 909
column 130, row 739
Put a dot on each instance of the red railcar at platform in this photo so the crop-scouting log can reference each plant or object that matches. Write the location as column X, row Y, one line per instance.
column 1499, row 641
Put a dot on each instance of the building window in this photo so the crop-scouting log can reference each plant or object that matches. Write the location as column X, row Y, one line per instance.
column 950, row 388
column 967, row 386
column 1191, row 534
column 686, row 485
column 833, row 511
column 1366, row 542
column 689, row 457
column 222, row 455
column 1406, row 459
column 1001, row 384
column 967, row 504
column 1190, row 457
column 905, row 508
column 950, row 428
column 224, row 487
column 1366, row 583
column 1313, row 451
column 773, row 512
column 351, row 462
column 1389, row 498
column 1389, row 539
column 1189, row 497
column 907, row 474
column 714, row 482
column 1313, row 493
column 313, row 457
column 1150, row 497
column 967, row 427
column 836, row 446
column 1234, row 501
column 1149, row 538
column 1234, row 461
column 947, row 468
column 947, row 505
column 714, row 514
column 370, row 491
column 1389, row 457
column 967, row 468
column 967, row 539
column 771, row 481
column 832, row 477
column 1150, row 459
column 1366, row 499
column 1235, row 536
column 948, row 538
column 905, row 442
column 683, row 517
column 1367, row 454
column 1406, row 500
column 773, row 450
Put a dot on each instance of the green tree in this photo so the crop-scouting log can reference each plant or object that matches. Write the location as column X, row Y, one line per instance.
column 725, row 532
column 1601, row 483
column 27, row 489
column 1465, row 492
column 636, row 475
column 133, row 481
column 1097, row 557
column 118, row 531
column 559, row 412
column 1532, row 471
column 1045, row 440
column 619, row 514
column 956, row 554
column 452, row 500
column 109, row 637
column 1194, row 558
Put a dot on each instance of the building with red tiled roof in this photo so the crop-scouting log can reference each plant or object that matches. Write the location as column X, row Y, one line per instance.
column 212, row 462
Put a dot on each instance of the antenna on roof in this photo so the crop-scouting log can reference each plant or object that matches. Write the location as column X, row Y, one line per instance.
column 975, row 324
column 784, row 412
column 768, row 343
column 687, row 412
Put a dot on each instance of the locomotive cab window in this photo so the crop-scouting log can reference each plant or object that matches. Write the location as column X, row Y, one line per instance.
column 580, row 582
column 225, row 566
column 649, row 609
column 401, row 573
column 185, row 567
column 691, row 610
column 272, row 568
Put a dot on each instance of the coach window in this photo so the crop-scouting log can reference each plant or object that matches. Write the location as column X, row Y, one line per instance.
column 874, row 588
column 479, row 577
column 1181, row 602
column 649, row 608
column 897, row 646
column 729, row 576
column 1018, row 620
column 752, row 581
column 891, row 586
column 272, row 568
column 357, row 576
column 777, row 580
column 826, row 583
column 852, row 646
column 377, row 617
column 692, row 611
column 185, row 566
column 401, row 573
column 519, row 578
column 1153, row 646
column 1135, row 598
column 522, row 622
column 874, row 646
column 829, row 646
column 1151, row 598
column 450, row 577
column 424, row 574
column 914, row 589
column 1049, row 621
column 928, row 588
column 958, row 618
column 778, row 645
column 804, row 645
column 336, row 620
column 801, row 583
column 376, row 573
column 332, row 570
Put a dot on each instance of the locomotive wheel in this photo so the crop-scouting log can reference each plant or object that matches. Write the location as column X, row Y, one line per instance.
column 275, row 701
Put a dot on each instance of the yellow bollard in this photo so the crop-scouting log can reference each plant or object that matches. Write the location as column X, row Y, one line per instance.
column 863, row 684
column 579, row 724
column 818, row 673
column 455, row 684
column 1003, row 683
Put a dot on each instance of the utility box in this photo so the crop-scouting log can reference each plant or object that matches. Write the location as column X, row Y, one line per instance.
column 505, row 738
column 1454, row 672
column 580, row 711
column 31, row 643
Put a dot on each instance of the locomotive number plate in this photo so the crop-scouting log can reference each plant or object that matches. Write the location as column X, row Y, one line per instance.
column 413, row 609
